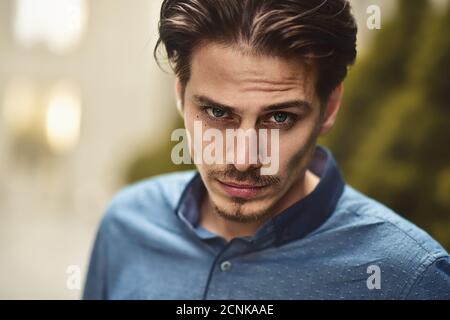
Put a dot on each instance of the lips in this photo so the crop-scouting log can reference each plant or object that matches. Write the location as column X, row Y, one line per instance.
column 244, row 191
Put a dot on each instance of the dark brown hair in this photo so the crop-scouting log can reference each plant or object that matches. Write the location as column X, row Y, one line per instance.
column 318, row 31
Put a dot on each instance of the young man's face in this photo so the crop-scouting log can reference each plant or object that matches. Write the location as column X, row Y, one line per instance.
column 261, row 92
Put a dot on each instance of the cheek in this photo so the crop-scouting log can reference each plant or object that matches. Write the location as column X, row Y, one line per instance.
column 289, row 156
column 295, row 148
column 191, row 116
column 189, row 121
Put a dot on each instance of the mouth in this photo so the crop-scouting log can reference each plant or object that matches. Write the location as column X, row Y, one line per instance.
column 240, row 190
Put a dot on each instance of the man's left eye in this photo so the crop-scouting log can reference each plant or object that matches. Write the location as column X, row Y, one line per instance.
column 280, row 117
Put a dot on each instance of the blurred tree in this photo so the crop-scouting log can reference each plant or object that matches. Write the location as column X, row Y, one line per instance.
column 396, row 150
column 376, row 77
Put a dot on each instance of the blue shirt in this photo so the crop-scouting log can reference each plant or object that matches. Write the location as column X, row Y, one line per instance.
column 335, row 243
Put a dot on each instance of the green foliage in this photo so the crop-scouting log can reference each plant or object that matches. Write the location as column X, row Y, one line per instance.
column 377, row 76
column 392, row 138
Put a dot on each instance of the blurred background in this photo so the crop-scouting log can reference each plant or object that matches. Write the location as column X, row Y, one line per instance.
column 85, row 110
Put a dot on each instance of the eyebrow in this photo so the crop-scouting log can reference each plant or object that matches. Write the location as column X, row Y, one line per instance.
column 299, row 104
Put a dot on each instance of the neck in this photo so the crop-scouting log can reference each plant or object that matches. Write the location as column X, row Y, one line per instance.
column 231, row 229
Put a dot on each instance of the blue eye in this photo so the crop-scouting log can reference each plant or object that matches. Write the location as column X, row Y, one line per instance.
column 216, row 112
column 280, row 117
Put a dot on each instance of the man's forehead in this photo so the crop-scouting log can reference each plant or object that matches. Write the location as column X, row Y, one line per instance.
column 232, row 70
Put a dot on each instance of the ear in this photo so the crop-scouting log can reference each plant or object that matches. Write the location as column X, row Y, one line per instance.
column 332, row 109
column 179, row 96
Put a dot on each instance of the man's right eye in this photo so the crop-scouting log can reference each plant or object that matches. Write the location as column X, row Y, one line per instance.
column 215, row 112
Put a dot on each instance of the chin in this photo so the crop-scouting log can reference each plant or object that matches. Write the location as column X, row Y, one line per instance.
column 241, row 210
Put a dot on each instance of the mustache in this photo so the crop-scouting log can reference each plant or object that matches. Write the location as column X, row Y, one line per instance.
column 251, row 176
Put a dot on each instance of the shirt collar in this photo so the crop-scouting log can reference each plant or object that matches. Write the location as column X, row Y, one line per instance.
column 295, row 222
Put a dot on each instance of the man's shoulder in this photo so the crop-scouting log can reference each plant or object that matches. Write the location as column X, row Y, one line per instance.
column 147, row 201
column 388, row 224
column 402, row 250
column 166, row 188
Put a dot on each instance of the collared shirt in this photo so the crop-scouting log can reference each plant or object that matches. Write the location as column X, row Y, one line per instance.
column 335, row 243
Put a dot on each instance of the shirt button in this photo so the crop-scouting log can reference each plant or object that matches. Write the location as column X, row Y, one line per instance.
column 225, row 266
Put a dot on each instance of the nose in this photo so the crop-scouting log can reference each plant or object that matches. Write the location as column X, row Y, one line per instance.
column 246, row 167
column 245, row 151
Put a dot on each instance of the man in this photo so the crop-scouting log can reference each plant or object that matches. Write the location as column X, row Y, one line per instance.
column 230, row 232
